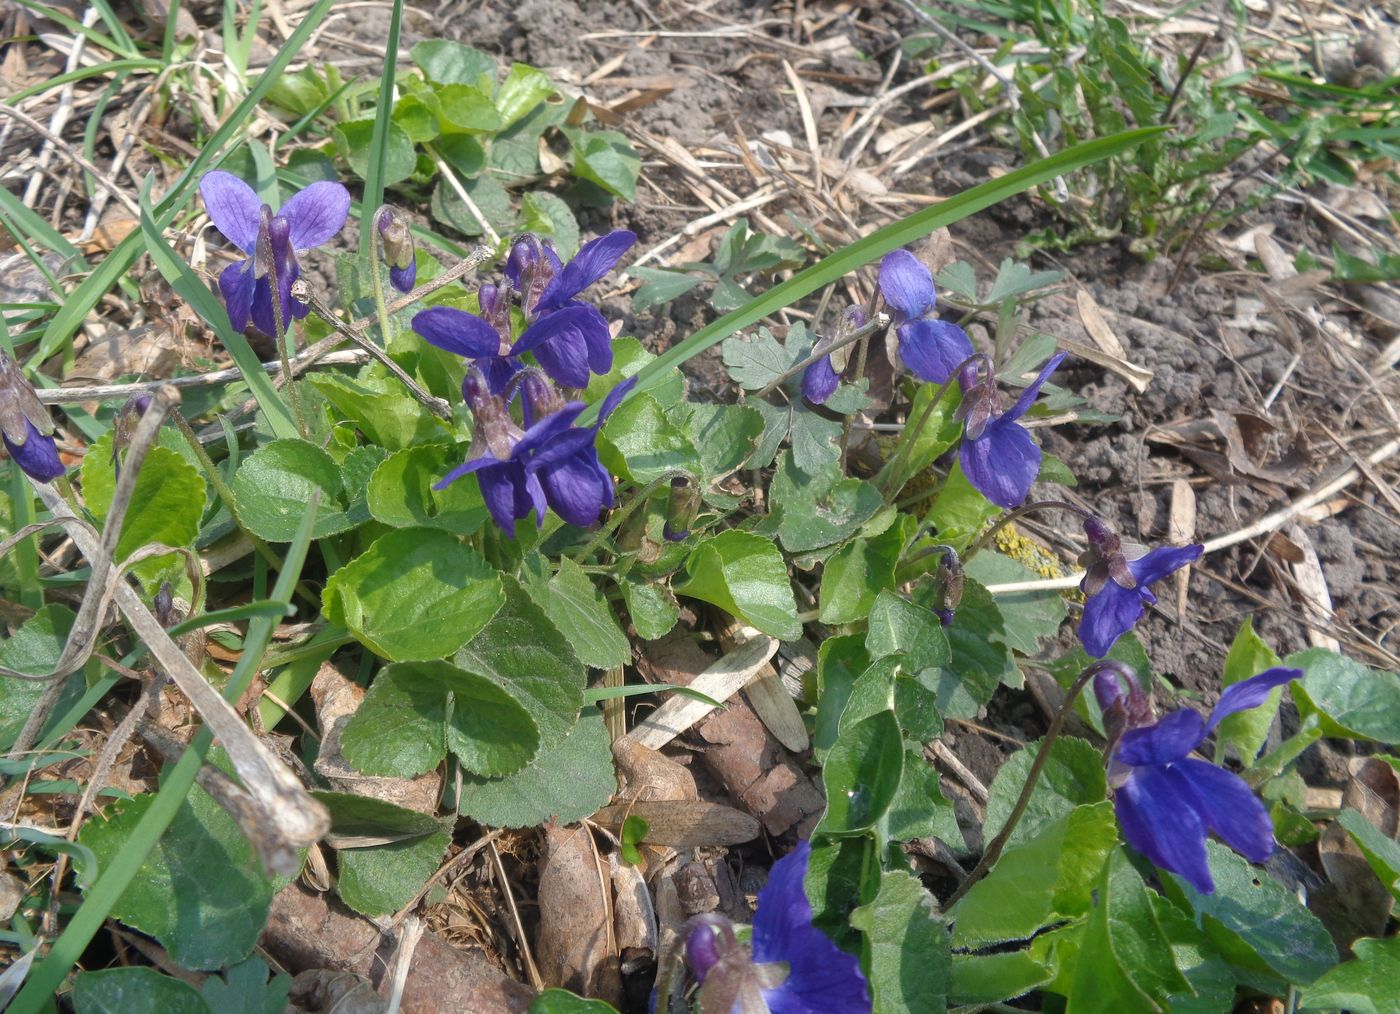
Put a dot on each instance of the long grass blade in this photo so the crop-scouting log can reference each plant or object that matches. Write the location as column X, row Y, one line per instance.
column 379, row 141
column 877, row 244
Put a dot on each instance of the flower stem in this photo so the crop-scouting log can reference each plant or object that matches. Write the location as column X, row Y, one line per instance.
column 381, row 305
column 994, row 850
column 1020, row 512
column 279, row 322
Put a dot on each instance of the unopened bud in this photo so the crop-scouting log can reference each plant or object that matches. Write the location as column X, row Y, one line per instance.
column 947, row 586
column 124, row 425
column 1123, row 704
column 164, row 605
column 681, row 509
column 531, row 266
column 25, row 425
column 541, row 398
column 396, row 247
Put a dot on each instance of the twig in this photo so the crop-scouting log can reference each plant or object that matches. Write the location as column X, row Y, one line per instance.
column 530, row 969
column 821, row 350
column 492, row 236
column 121, row 392
column 76, row 156
column 435, row 405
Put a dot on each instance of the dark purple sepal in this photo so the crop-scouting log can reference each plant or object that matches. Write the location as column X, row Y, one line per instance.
column 37, row 456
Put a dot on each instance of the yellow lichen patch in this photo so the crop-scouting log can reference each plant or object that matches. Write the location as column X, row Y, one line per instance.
column 1026, row 551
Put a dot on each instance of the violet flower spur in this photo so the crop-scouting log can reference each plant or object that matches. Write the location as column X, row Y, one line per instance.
column 997, row 454
column 311, row 217
column 570, row 339
column 1167, row 801
column 794, row 967
column 1116, row 583
column 25, row 425
column 930, row 348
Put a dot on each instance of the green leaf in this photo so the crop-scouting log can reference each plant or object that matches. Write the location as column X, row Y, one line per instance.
column 463, row 152
column 467, row 107
column 200, row 892
column 639, row 442
column 607, row 158
column 959, row 510
column 840, row 662
column 1248, row 730
column 245, row 989
column 352, row 141
column 413, row 116
column 545, row 214
column 919, row 809
column 861, row 774
column 584, row 617
column 165, row 507
column 355, row 817
column 1124, row 961
column 660, row 286
column 991, row 978
column 451, row 62
column 571, row 778
column 378, row 405
column 382, row 879
column 416, row 593
column 981, row 660
column 725, row 436
column 755, row 361
column 490, row 198
column 523, row 89
column 651, row 605
column 1258, row 924
column 490, row 732
column 401, row 491
column 815, row 440
column 1380, row 850
column 1364, row 985
column 399, row 729
column 561, row 1001
column 859, row 571
column 1073, row 776
column 525, row 654
column 940, row 433
column 274, row 485
column 1047, row 878
column 1027, row 617
column 744, row 575
column 35, row 649
column 898, row 627
column 817, row 512
column 122, row 990
column 1350, row 699
column 911, row 965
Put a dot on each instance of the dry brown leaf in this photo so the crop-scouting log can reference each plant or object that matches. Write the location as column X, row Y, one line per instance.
column 650, row 775
column 1181, row 530
column 574, row 945
column 684, row 823
column 1109, row 353
column 1312, row 588
column 634, row 918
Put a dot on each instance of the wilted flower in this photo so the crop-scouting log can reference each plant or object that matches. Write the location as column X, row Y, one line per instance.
column 1167, row 801
column 25, row 425
column 567, row 337
column 1116, row 586
column 997, row 454
column 681, row 507
column 309, row 218
column 930, row 348
column 794, row 967
column 396, row 247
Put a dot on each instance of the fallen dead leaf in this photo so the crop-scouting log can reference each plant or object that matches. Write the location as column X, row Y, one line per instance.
column 574, row 945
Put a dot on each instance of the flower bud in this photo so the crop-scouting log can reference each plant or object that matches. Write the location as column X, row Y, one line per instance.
column 947, row 586
column 396, row 247
column 26, row 426
column 163, row 605
column 540, row 397
column 710, row 938
column 681, row 509
column 494, row 304
column 124, row 425
column 1121, row 700
column 531, row 266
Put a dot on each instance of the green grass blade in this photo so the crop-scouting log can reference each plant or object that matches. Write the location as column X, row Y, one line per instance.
column 877, row 244
column 113, row 881
column 115, row 26
column 379, row 142
column 81, row 301
column 78, row 28
column 80, row 74
column 193, row 291
column 22, row 221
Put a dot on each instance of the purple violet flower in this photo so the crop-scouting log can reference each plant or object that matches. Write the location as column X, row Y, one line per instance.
column 25, row 425
column 484, row 338
column 1167, row 801
column 930, row 348
column 551, row 463
column 997, row 454
column 1116, row 586
column 311, row 217
column 570, row 339
column 794, row 967
column 819, row 381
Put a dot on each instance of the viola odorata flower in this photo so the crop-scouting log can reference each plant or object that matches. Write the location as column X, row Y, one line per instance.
column 1116, row 583
column 997, row 453
column 310, row 218
column 929, row 348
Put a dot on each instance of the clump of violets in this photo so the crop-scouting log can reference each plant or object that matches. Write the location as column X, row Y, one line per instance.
column 997, row 453
column 1116, row 583
column 568, row 338
column 25, row 425
column 792, row 967
column 929, row 348
column 1168, row 801
column 310, row 218
column 396, row 247
column 549, row 462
